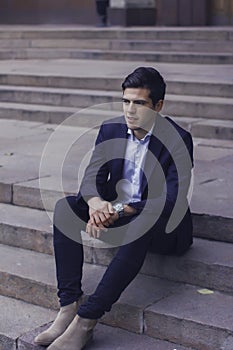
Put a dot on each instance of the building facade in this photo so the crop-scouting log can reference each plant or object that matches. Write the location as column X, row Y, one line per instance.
column 120, row 12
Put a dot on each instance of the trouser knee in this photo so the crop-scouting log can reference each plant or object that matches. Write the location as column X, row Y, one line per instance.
column 67, row 223
column 64, row 205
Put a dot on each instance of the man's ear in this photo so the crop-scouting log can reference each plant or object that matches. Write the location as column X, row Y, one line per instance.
column 159, row 106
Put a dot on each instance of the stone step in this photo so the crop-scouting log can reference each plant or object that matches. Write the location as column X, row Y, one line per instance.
column 26, row 228
column 56, row 96
column 35, row 113
column 108, row 338
column 87, row 117
column 212, row 192
column 141, row 33
column 170, row 45
column 207, row 128
column 21, row 322
column 177, row 105
column 208, row 264
column 116, row 44
column 199, row 127
column 198, row 106
column 211, row 259
column 177, row 87
column 97, row 54
column 169, row 319
column 55, row 114
column 18, row 318
column 32, row 229
column 60, row 173
column 155, row 306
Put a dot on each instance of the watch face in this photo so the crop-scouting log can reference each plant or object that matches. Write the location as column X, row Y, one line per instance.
column 118, row 207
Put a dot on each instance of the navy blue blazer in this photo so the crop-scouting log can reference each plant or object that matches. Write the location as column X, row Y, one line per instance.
column 167, row 173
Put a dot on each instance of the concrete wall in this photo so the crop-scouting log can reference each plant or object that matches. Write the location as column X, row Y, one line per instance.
column 47, row 11
column 182, row 12
column 168, row 12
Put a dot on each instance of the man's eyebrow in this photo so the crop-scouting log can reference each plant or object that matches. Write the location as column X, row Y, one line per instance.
column 136, row 100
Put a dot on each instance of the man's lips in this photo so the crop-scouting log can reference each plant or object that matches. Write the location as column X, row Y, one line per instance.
column 131, row 119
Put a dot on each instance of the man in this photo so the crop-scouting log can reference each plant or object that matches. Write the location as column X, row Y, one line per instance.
column 133, row 195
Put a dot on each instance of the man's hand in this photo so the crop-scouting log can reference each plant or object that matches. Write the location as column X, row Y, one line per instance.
column 100, row 211
column 101, row 215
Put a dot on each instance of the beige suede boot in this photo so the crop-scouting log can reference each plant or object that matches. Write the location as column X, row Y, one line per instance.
column 76, row 336
column 64, row 318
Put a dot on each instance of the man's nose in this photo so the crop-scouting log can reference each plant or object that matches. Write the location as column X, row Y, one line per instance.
column 132, row 107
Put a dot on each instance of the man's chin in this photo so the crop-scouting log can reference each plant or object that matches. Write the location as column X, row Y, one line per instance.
column 133, row 127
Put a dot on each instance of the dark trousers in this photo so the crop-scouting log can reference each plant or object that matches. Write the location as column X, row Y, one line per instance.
column 121, row 271
column 101, row 7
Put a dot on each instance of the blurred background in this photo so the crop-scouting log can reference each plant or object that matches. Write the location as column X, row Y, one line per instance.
column 120, row 12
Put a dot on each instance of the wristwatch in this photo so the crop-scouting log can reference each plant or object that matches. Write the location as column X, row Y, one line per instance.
column 119, row 208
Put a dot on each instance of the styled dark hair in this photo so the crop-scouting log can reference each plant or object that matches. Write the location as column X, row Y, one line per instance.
column 149, row 78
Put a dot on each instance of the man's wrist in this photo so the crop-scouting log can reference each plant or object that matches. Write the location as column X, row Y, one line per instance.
column 119, row 209
column 93, row 199
column 124, row 209
column 128, row 210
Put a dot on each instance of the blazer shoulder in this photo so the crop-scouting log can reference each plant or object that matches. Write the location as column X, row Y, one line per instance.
column 114, row 127
column 112, row 121
column 183, row 133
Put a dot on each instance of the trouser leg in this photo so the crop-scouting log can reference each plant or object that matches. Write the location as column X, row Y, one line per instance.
column 122, row 270
column 68, row 252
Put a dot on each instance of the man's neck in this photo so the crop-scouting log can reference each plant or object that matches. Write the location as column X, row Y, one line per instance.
column 139, row 133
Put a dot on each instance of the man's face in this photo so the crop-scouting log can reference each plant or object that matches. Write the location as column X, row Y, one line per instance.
column 138, row 109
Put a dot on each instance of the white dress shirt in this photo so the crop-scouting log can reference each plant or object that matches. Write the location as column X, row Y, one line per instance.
column 129, row 188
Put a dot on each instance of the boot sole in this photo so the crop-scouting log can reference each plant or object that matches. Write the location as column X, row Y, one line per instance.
column 43, row 343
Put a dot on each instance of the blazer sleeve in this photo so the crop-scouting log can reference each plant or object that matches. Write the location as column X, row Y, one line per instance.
column 96, row 173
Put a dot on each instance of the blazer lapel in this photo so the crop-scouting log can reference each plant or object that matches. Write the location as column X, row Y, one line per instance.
column 118, row 153
column 154, row 150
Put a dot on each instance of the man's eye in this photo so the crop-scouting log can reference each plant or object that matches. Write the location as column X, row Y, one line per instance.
column 141, row 103
column 125, row 101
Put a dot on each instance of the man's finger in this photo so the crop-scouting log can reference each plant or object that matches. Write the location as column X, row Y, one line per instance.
column 88, row 229
column 110, row 221
column 101, row 219
column 110, row 208
column 97, row 221
column 94, row 231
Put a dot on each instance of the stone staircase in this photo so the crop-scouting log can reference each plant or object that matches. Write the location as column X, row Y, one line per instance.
column 165, row 301
column 182, row 303
column 203, row 108
column 192, row 45
column 50, row 83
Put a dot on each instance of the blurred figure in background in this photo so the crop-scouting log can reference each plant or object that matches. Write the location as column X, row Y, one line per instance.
column 101, row 8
